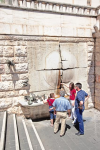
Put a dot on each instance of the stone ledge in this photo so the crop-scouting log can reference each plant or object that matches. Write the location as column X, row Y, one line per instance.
column 59, row 11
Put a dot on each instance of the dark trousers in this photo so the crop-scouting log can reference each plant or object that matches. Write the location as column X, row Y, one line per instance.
column 80, row 120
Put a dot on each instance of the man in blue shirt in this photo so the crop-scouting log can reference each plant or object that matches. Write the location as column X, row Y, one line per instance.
column 79, row 107
column 62, row 106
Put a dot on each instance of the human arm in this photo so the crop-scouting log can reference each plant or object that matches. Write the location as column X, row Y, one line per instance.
column 54, row 110
column 86, row 98
column 64, row 84
column 69, row 112
column 45, row 101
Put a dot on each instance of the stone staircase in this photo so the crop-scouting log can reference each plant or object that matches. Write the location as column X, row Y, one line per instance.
column 17, row 133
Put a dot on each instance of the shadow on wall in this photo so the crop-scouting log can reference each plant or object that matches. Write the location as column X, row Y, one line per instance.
column 91, row 75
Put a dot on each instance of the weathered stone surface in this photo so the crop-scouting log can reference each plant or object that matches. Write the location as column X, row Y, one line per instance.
column 19, row 85
column 97, row 56
column 1, row 69
column 98, row 78
column 10, row 43
column 6, row 103
column 21, row 68
column 4, row 28
column 23, row 92
column 12, row 94
column 8, row 51
column 91, row 91
column 90, row 56
column 90, row 49
column 97, row 70
column 16, row 29
column 20, row 51
column 6, row 77
column 2, row 94
column 23, row 76
column 90, row 70
column 6, row 86
column 20, row 59
column 91, row 78
column 1, row 50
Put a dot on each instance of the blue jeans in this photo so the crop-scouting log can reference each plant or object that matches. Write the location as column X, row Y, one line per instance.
column 52, row 116
column 80, row 119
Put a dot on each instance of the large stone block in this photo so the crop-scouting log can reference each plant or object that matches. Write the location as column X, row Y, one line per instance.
column 6, row 77
column 2, row 94
column 97, row 70
column 23, row 92
column 43, row 80
column 12, row 94
column 4, row 28
column 19, row 85
column 6, row 86
column 74, row 75
column 20, row 51
column 97, row 92
column 16, row 29
column 23, row 76
column 97, row 56
column 97, row 85
column 98, row 78
column 42, row 56
column 21, row 68
column 1, row 50
column 2, row 69
column 20, row 59
column 5, row 103
column 2, row 42
column 10, row 43
column 8, row 51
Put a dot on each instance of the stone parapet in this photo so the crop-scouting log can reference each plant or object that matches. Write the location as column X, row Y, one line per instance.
column 52, row 7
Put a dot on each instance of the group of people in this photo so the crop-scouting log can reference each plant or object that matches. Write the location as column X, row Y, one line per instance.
column 61, row 107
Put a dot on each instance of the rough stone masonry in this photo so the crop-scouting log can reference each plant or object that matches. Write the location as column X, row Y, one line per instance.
column 45, row 39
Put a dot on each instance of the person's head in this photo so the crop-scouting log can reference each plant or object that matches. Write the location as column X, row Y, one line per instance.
column 71, row 86
column 62, row 93
column 52, row 95
column 78, row 86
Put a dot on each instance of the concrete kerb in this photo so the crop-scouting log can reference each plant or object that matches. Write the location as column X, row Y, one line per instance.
column 36, row 133
column 2, row 138
column 16, row 133
column 27, row 135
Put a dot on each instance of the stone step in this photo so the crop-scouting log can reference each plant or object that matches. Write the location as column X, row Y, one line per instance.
column 3, row 117
column 24, row 138
column 11, row 142
column 35, row 139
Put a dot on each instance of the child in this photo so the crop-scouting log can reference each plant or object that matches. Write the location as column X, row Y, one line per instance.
column 72, row 100
column 50, row 101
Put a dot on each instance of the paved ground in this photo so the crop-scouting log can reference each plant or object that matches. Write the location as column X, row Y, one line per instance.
column 90, row 141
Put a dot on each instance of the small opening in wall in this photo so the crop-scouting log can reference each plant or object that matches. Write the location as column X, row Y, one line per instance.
column 88, row 2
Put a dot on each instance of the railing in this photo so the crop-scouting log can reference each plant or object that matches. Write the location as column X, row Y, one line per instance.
column 54, row 7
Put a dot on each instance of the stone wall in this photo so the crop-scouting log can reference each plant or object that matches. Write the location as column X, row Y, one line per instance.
column 30, row 38
column 96, row 36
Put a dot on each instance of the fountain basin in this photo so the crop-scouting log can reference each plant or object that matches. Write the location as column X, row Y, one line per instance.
column 35, row 110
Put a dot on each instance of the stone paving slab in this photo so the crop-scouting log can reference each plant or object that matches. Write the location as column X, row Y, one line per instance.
column 89, row 141
column 10, row 136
